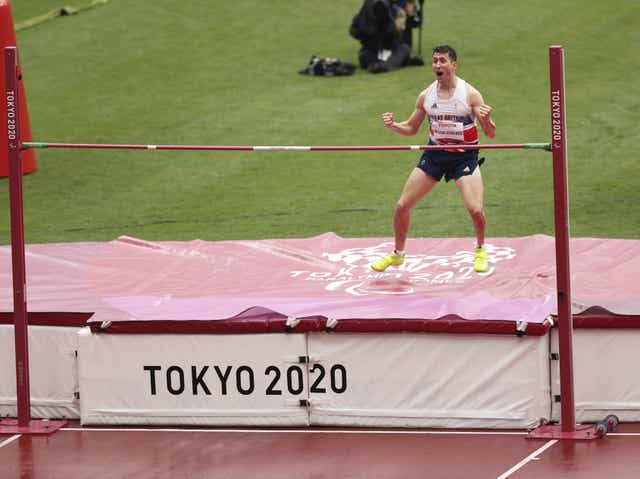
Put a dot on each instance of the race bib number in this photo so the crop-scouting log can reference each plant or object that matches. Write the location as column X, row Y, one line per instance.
column 447, row 131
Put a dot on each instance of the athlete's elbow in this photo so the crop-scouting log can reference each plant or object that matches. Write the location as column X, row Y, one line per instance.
column 406, row 129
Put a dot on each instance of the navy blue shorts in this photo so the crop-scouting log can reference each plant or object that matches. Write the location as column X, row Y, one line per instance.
column 438, row 163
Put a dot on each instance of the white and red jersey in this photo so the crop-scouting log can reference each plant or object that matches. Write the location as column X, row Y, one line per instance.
column 451, row 121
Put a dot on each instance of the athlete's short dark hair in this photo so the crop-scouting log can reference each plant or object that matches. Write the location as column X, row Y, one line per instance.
column 446, row 49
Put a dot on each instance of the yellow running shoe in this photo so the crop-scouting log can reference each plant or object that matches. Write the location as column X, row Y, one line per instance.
column 480, row 260
column 392, row 259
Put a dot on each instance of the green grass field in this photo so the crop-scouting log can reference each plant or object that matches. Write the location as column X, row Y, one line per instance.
column 201, row 72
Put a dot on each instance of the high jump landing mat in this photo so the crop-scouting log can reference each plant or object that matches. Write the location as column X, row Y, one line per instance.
column 302, row 332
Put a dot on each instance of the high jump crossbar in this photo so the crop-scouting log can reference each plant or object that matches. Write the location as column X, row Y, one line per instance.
column 558, row 148
column 99, row 146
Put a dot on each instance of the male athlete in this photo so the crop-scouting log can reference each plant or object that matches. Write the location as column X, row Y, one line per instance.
column 452, row 106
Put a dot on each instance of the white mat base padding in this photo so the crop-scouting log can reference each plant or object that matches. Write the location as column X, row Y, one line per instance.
column 434, row 380
column 606, row 374
column 53, row 374
column 192, row 379
column 404, row 379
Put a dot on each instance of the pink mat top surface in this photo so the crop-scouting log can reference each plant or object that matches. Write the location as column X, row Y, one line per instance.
column 325, row 276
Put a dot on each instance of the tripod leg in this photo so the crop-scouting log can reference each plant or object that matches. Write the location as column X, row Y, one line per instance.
column 420, row 30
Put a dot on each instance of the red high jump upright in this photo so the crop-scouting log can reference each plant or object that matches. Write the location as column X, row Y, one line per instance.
column 561, row 210
column 24, row 424
column 567, row 428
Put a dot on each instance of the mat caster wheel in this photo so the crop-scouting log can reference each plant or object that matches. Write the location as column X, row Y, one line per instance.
column 601, row 429
column 612, row 421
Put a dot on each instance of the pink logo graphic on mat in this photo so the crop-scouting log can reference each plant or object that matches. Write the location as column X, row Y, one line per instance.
column 356, row 277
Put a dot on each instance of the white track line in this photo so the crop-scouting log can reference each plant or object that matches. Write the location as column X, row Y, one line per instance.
column 10, row 440
column 530, row 457
column 299, row 431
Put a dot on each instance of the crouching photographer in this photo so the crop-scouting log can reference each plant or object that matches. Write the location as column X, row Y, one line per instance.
column 383, row 28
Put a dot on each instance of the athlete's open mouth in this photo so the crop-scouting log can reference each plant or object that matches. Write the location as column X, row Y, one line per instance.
column 439, row 73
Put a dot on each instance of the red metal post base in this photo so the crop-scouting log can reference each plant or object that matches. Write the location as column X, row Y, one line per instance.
column 582, row 432
column 44, row 426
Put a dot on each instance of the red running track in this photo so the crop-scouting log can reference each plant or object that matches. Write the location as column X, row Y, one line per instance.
column 316, row 453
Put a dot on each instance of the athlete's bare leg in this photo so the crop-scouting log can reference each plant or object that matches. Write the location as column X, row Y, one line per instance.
column 417, row 186
column 472, row 191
